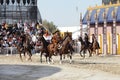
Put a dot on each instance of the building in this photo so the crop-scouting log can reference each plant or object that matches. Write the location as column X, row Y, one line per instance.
column 104, row 22
column 19, row 10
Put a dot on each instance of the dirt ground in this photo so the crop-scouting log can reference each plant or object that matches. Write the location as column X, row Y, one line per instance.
column 90, row 68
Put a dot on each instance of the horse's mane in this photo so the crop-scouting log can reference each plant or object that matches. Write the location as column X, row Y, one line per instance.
column 66, row 37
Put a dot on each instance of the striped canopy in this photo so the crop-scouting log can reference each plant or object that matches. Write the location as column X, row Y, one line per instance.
column 111, row 12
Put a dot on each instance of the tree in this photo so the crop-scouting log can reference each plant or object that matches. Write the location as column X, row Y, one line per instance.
column 49, row 26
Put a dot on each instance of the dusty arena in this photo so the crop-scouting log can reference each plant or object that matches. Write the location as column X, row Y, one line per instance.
column 93, row 68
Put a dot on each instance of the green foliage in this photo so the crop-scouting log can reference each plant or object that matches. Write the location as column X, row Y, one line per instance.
column 49, row 26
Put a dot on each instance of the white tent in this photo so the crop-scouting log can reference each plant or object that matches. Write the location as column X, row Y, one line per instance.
column 74, row 29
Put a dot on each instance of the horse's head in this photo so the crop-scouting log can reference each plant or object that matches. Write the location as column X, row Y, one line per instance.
column 69, row 39
column 40, row 37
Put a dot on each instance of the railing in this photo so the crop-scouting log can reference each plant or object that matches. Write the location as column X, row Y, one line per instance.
column 8, row 50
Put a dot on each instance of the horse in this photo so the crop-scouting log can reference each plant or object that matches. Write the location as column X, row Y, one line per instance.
column 64, row 48
column 95, row 44
column 28, row 46
column 43, row 47
column 53, row 46
column 25, row 46
column 53, row 50
column 85, row 47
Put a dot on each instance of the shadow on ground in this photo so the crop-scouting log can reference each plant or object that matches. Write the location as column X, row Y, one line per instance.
column 26, row 72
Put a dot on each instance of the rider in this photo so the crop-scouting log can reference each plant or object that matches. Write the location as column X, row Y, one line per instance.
column 56, row 40
column 86, row 39
column 93, row 38
column 21, row 40
column 47, row 36
column 56, row 37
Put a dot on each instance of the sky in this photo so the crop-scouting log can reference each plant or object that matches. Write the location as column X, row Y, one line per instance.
column 64, row 12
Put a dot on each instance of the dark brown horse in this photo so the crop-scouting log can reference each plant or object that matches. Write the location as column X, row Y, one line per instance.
column 64, row 48
column 85, row 47
column 43, row 47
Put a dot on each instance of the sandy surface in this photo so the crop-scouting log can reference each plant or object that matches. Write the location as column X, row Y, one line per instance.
column 94, row 68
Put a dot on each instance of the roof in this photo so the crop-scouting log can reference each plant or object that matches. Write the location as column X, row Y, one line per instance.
column 110, row 14
column 100, row 15
column 84, row 21
column 98, row 12
column 118, row 14
column 92, row 17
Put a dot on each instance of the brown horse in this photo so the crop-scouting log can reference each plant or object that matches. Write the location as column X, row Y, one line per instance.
column 53, row 50
column 64, row 48
column 53, row 46
column 95, row 44
column 85, row 47
column 25, row 46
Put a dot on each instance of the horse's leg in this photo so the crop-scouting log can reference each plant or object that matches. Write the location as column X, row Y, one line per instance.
column 70, row 57
column 30, row 55
column 82, row 49
column 94, row 51
column 41, row 57
column 84, row 53
column 81, row 53
column 20, row 56
column 60, row 58
column 52, row 60
column 24, row 54
column 97, row 51
column 63, row 56
column 55, row 52
column 90, row 53
column 49, row 57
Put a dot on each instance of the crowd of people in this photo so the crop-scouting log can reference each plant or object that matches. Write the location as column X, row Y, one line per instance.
column 9, row 32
